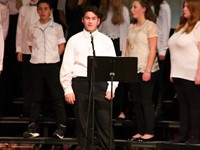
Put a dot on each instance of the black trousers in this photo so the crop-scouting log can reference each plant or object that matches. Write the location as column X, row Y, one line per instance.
column 188, row 95
column 123, row 89
column 102, row 113
column 27, row 83
column 47, row 74
column 142, row 94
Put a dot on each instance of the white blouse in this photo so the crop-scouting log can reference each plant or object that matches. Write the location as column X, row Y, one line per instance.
column 138, row 44
column 116, row 31
column 184, row 53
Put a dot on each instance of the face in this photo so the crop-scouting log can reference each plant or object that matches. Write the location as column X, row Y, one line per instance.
column 44, row 12
column 137, row 10
column 186, row 12
column 90, row 21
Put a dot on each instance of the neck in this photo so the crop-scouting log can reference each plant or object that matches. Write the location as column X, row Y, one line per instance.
column 141, row 21
column 43, row 21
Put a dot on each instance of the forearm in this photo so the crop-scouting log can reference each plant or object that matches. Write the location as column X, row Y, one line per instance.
column 61, row 48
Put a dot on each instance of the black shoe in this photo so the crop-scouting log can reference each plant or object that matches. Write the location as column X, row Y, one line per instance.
column 180, row 139
column 60, row 131
column 193, row 140
column 32, row 131
column 134, row 139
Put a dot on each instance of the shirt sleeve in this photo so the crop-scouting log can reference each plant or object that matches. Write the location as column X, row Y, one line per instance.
column 1, row 48
column 66, row 71
column 152, row 30
column 30, row 35
column 19, row 32
column 60, row 35
column 196, row 32
column 165, row 26
column 5, row 21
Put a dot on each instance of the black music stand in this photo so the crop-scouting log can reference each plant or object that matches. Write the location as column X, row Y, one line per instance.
column 102, row 68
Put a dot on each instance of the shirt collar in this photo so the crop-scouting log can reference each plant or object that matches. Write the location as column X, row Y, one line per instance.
column 39, row 25
column 88, row 34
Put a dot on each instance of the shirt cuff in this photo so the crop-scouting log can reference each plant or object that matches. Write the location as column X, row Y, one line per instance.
column 162, row 52
column 68, row 90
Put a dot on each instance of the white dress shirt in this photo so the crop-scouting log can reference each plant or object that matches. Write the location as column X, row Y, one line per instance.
column 78, row 48
column 44, row 40
column 4, row 19
column 1, row 48
column 27, row 15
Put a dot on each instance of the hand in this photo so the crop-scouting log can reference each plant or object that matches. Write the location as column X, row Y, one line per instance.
column 109, row 96
column 171, row 79
column 161, row 57
column 197, row 79
column 19, row 57
column 146, row 76
column 70, row 98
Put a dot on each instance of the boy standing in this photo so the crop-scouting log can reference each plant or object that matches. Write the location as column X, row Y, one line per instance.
column 46, row 41
column 73, row 76
column 27, row 16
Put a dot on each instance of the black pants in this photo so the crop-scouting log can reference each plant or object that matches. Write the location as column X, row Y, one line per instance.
column 47, row 74
column 188, row 95
column 27, row 83
column 123, row 89
column 102, row 113
column 142, row 94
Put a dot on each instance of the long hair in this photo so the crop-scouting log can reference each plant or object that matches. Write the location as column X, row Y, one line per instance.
column 156, row 5
column 148, row 13
column 117, row 8
column 194, row 8
column 73, row 3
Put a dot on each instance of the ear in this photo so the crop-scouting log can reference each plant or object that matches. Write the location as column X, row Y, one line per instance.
column 98, row 21
column 82, row 20
column 144, row 9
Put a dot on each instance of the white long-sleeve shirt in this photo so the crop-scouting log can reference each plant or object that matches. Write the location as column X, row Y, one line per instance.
column 4, row 19
column 27, row 16
column 1, row 48
column 78, row 48
column 164, row 25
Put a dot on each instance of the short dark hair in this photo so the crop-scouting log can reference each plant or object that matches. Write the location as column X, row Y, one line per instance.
column 93, row 9
column 45, row 1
